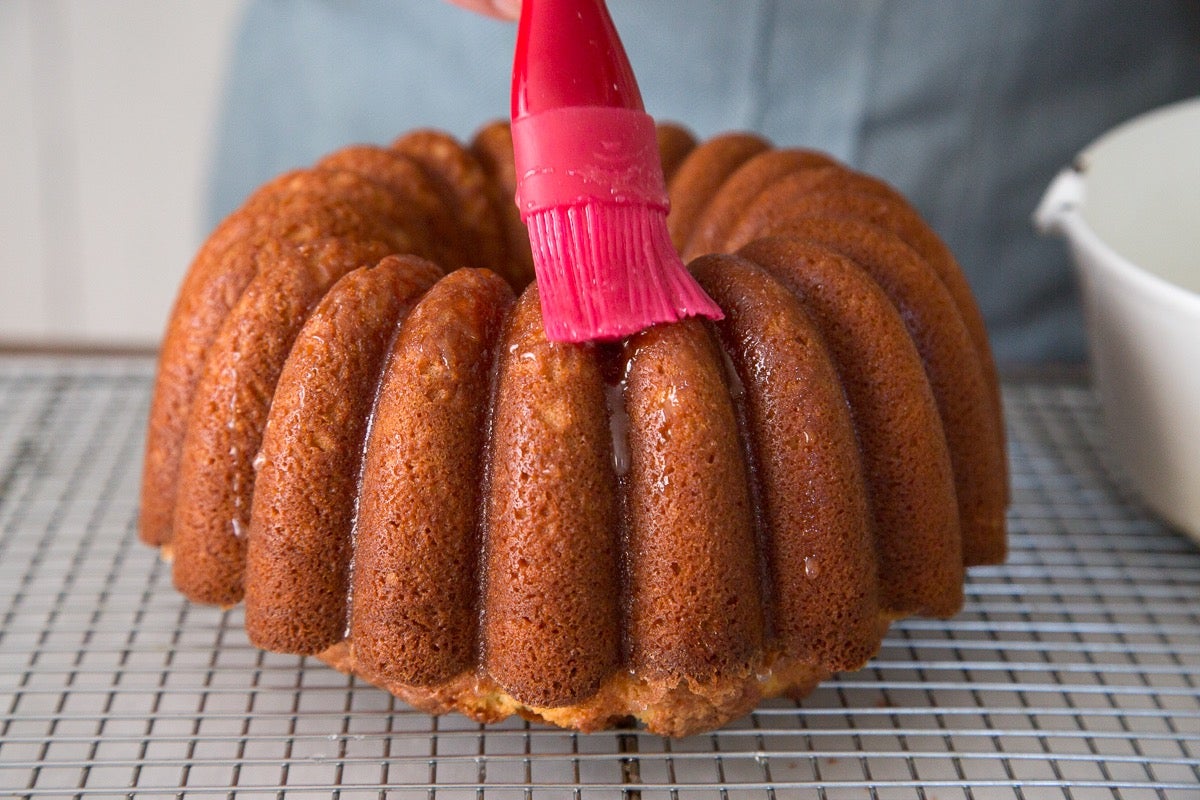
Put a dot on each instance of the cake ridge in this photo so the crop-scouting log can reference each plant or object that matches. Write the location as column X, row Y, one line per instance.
column 314, row 428
column 737, row 396
column 937, row 328
column 913, row 500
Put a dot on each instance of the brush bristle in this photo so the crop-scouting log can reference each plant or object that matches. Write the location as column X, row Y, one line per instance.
column 606, row 271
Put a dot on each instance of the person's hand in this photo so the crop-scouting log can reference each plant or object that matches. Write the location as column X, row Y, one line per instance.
column 501, row 9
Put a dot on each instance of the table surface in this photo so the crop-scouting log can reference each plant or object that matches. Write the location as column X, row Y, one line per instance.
column 1072, row 672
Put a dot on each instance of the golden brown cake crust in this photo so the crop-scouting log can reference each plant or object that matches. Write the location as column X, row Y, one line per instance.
column 955, row 373
column 665, row 707
column 743, row 185
column 818, row 551
column 903, row 448
column 297, row 208
column 843, row 193
column 224, row 430
column 701, row 174
column 306, row 481
column 416, row 578
column 426, row 195
column 550, row 597
column 694, row 610
column 465, row 185
column 210, row 288
column 493, row 148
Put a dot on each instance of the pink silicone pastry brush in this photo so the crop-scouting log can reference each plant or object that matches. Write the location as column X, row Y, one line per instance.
column 589, row 182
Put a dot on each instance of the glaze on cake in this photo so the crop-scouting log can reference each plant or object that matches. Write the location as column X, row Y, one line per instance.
column 360, row 429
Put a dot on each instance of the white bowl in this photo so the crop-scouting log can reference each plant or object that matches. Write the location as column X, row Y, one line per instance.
column 1129, row 208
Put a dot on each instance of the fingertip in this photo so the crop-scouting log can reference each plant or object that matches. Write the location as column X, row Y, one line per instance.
column 507, row 9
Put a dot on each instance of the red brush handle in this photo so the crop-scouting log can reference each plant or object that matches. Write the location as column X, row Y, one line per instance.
column 571, row 156
column 579, row 131
column 589, row 180
column 568, row 55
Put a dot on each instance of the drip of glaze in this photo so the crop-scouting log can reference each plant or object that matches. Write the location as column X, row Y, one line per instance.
column 618, row 426
column 236, row 525
column 737, row 389
column 812, row 568
column 362, row 466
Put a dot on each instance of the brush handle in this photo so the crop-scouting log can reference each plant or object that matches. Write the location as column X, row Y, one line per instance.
column 572, row 156
column 580, row 133
column 590, row 185
column 568, row 55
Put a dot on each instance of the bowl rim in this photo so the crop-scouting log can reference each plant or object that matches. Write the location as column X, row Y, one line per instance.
column 1062, row 209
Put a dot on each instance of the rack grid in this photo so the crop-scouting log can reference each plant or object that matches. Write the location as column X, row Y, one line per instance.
column 1072, row 672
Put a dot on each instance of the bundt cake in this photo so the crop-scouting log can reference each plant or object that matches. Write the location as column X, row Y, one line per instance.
column 360, row 428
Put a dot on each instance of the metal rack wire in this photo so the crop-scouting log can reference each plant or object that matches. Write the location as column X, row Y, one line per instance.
column 1073, row 672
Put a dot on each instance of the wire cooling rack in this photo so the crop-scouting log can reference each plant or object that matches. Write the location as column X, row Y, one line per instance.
column 1073, row 672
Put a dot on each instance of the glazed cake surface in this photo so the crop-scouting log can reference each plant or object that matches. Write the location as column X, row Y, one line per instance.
column 360, row 429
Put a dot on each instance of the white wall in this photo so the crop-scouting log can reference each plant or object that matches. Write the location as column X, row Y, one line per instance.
column 106, row 114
